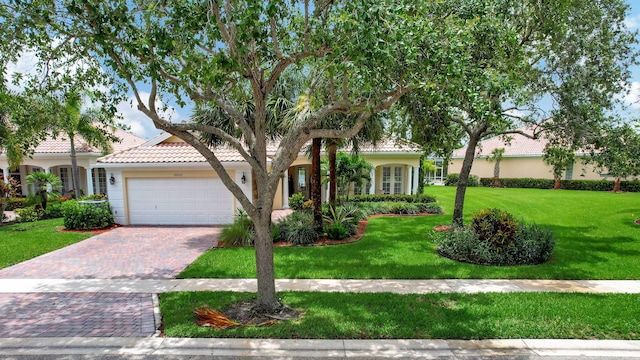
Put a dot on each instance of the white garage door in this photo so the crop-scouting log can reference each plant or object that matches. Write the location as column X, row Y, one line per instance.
column 179, row 201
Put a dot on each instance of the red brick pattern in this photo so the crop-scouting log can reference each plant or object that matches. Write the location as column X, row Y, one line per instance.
column 127, row 252
column 122, row 253
column 76, row 314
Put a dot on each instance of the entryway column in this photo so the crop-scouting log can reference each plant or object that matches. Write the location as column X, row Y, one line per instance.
column 416, row 172
column 49, row 187
column 408, row 182
column 89, row 181
column 372, row 186
column 285, row 190
column 5, row 175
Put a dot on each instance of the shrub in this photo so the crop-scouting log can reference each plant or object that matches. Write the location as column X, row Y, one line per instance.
column 371, row 208
column 296, row 201
column 297, row 229
column 240, row 233
column 53, row 211
column 495, row 226
column 529, row 245
column 420, row 198
column 453, row 179
column 336, row 231
column 16, row 203
column 28, row 214
column 79, row 216
column 94, row 197
column 341, row 215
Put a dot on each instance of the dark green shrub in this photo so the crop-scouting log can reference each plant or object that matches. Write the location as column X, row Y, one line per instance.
column 78, row 216
column 28, row 214
column 630, row 186
column 453, row 179
column 336, row 231
column 495, row 226
column 54, row 211
column 477, row 244
column 240, row 233
column 430, row 208
column 420, row 198
column 94, row 197
column 591, row 185
column 297, row 229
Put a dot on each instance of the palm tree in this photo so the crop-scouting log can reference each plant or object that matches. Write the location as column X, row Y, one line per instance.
column 74, row 123
column 496, row 155
column 41, row 181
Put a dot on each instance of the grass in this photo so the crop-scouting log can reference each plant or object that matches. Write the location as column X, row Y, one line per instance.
column 20, row 242
column 595, row 233
column 431, row 316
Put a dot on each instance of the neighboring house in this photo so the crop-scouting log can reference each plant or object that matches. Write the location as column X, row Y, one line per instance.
column 166, row 181
column 522, row 158
column 53, row 156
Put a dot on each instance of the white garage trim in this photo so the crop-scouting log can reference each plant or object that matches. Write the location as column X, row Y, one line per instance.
column 178, row 201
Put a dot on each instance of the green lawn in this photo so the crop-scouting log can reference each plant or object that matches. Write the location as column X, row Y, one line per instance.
column 22, row 242
column 595, row 233
column 431, row 316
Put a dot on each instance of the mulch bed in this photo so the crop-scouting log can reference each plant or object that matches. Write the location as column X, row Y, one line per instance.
column 94, row 232
column 638, row 222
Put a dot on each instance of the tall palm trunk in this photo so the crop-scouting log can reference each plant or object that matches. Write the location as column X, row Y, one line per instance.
column 316, row 189
column 75, row 174
column 333, row 179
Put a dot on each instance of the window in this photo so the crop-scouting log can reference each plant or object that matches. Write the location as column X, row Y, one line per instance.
column 569, row 174
column 397, row 180
column 64, row 179
column 392, row 184
column 99, row 181
column 386, row 180
column 302, row 178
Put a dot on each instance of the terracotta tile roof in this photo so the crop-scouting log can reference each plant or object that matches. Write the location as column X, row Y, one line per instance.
column 519, row 145
column 167, row 153
column 60, row 145
column 156, row 150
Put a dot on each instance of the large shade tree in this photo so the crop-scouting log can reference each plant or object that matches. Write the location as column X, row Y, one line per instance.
column 229, row 52
column 573, row 54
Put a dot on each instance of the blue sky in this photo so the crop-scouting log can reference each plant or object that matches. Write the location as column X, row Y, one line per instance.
column 143, row 126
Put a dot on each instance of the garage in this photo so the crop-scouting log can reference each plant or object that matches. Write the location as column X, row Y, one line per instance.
column 179, row 201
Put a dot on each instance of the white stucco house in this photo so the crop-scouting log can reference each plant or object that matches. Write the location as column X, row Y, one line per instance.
column 52, row 155
column 166, row 181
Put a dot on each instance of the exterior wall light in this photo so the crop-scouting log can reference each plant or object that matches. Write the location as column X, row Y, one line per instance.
column 243, row 178
column 112, row 180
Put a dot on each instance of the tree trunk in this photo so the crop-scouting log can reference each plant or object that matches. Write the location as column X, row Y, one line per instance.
column 333, row 186
column 461, row 189
column 75, row 174
column 316, row 189
column 616, row 185
column 267, row 299
column 556, row 184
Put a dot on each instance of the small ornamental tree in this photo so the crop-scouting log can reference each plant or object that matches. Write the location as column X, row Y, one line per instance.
column 559, row 158
column 496, row 156
column 8, row 190
column 617, row 152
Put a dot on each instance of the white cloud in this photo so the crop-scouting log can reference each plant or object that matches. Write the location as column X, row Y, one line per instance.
column 140, row 124
column 632, row 22
column 632, row 99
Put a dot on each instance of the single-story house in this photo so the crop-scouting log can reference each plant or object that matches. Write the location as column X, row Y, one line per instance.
column 166, row 181
column 52, row 155
column 522, row 158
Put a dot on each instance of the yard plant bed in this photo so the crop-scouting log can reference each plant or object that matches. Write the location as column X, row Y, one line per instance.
column 594, row 231
column 429, row 316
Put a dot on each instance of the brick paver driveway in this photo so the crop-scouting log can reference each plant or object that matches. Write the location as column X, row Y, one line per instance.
column 122, row 253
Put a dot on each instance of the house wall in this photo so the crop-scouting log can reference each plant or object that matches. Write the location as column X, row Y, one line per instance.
column 525, row 167
column 118, row 190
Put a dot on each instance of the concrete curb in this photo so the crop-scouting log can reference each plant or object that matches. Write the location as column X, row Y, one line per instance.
column 266, row 348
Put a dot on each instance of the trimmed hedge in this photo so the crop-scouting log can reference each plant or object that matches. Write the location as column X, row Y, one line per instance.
column 420, row 198
column 78, row 216
column 592, row 185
